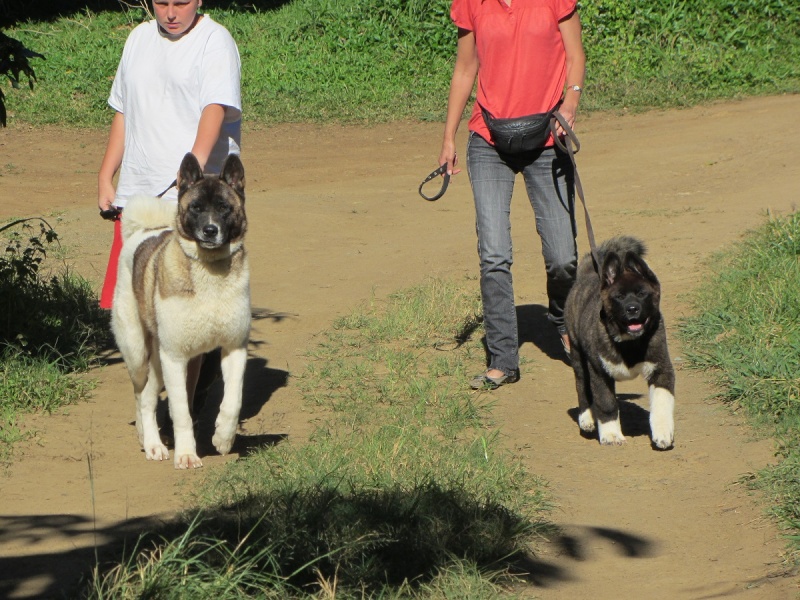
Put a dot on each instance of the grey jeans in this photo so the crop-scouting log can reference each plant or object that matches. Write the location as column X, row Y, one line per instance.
column 549, row 181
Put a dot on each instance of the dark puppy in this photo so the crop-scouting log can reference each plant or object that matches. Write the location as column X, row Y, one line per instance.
column 616, row 333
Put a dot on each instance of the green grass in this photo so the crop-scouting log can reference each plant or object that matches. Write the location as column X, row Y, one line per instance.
column 50, row 329
column 405, row 490
column 746, row 332
column 362, row 61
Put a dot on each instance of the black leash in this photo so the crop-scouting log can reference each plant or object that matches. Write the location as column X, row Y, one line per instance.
column 571, row 145
column 442, row 170
column 169, row 187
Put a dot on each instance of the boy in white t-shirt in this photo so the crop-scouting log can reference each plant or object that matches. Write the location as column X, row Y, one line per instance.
column 177, row 89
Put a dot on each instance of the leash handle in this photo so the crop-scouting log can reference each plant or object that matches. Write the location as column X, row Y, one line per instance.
column 571, row 145
column 442, row 170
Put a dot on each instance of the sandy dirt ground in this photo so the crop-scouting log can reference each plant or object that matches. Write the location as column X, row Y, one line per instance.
column 334, row 219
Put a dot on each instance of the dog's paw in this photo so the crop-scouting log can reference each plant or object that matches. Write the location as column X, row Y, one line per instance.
column 613, row 440
column 663, row 433
column 662, row 424
column 586, row 421
column 156, row 451
column 188, row 461
column 223, row 441
column 224, row 434
column 610, row 433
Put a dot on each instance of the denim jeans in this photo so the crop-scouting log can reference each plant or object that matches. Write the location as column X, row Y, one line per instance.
column 549, row 181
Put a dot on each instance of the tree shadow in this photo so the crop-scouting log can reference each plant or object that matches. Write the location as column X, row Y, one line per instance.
column 574, row 545
column 366, row 539
column 58, row 574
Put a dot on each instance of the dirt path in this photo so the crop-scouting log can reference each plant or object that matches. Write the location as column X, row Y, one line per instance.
column 335, row 218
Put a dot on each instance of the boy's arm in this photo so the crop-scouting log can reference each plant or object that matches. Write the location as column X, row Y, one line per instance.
column 208, row 130
column 111, row 162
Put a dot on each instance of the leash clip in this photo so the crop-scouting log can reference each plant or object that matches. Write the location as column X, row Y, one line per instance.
column 442, row 170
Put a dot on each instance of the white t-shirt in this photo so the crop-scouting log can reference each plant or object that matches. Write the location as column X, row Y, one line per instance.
column 161, row 87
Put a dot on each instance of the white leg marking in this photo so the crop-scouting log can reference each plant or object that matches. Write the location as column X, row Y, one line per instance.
column 662, row 426
column 233, row 367
column 586, row 421
column 610, row 432
column 146, row 424
column 174, row 372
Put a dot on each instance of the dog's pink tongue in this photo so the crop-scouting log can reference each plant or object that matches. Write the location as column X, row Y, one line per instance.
column 635, row 327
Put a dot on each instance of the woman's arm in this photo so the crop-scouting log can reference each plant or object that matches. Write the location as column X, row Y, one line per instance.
column 576, row 65
column 463, row 81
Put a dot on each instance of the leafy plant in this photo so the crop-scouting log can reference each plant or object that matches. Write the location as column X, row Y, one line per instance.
column 13, row 62
column 53, row 317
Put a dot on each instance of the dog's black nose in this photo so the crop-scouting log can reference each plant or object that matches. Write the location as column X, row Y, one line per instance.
column 633, row 310
column 210, row 230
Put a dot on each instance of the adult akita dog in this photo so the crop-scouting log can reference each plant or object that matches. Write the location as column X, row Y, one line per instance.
column 183, row 289
column 616, row 333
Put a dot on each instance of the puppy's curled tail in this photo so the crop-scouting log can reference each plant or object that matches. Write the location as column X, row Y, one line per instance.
column 621, row 245
column 147, row 213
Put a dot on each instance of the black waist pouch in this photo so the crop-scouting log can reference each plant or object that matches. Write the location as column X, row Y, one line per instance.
column 520, row 134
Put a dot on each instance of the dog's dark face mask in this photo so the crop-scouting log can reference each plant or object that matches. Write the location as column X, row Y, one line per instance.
column 210, row 208
column 631, row 295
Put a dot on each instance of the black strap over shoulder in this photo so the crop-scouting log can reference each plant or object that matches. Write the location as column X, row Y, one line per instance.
column 442, row 170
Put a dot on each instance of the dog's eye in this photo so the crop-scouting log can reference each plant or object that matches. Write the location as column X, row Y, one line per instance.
column 641, row 293
column 223, row 208
column 195, row 208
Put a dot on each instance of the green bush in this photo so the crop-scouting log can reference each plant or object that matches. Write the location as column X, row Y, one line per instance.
column 367, row 61
column 670, row 52
column 56, row 317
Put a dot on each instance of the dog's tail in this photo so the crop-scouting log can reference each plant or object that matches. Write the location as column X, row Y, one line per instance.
column 621, row 245
column 147, row 213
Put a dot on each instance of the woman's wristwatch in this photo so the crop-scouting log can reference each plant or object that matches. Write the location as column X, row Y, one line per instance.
column 577, row 88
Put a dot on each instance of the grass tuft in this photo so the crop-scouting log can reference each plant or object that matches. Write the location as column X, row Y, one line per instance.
column 747, row 334
column 404, row 489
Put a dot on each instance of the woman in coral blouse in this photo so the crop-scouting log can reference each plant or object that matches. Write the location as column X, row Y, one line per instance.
column 527, row 56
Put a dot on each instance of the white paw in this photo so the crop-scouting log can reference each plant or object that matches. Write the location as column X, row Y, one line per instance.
column 662, row 425
column 223, row 441
column 586, row 421
column 613, row 439
column 156, row 451
column 187, row 461
column 610, row 433
column 663, row 431
column 224, row 435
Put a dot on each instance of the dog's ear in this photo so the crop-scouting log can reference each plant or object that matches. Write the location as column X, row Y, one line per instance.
column 189, row 173
column 612, row 269
column 634, row 262
column 233, row 173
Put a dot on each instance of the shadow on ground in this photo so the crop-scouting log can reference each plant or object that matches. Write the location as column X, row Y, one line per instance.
column 399, row 548
column 535, row 328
